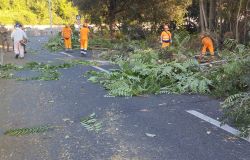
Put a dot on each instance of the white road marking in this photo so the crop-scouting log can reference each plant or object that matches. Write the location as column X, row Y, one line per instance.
column 67, row 54
column 217, row 124
column 96, row 67
column 101, row 69
column 101, row 62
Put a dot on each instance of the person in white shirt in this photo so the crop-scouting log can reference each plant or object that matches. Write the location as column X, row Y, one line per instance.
column 19, row 36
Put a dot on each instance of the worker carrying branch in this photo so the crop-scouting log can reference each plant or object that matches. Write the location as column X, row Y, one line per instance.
column 20, row 39
column 66, row 35
column 84, row 34
column 166, row 37
column 207, row 44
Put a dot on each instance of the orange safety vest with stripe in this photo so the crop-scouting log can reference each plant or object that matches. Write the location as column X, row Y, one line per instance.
column 166, row 36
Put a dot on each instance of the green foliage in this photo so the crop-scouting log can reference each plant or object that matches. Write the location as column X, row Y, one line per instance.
column 5, row 71
column 46, row 72
column 36, row 12
column 27, row 131
column 122, row 49
column 82, row 62
column 237, row 110
column 232, row 77
column 234, row 50
column 98, row 42
column 55, row 43
column 140, row 74
column 91, row 123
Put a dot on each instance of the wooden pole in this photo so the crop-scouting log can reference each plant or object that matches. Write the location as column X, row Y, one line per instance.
column 50, row 15
column 1, row 55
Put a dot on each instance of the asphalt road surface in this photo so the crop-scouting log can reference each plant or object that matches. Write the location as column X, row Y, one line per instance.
column 148, row 127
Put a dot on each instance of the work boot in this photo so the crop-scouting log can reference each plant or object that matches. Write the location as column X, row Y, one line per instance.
column 86, row 52
column 83, row 52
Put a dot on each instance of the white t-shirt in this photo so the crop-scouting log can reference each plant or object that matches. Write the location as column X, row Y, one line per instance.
column 18, row 34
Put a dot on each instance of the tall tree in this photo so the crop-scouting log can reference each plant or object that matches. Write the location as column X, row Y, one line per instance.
column 237, row 21
column 212, row 14
column 152, row 12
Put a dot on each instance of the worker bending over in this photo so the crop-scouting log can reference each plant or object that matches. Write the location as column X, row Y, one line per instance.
column 84, row 34
column 66, row 35
column 207, row 44
column 166, row 37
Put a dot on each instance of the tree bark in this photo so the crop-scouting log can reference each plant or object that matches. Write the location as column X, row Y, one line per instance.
column 112, row 8
column 237, row 35
column 246, row 21
column 201, row 17
column 204, row 10
column 212, row 14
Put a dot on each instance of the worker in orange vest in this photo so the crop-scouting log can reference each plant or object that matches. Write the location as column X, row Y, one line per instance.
column 207, row 44
column 166, row 37
column 66, row 35
column 84, row 34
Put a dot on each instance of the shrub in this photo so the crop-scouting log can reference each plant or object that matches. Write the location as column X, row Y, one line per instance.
column 237, row 110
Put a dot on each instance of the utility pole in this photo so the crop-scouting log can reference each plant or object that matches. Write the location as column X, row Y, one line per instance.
column 50, row 15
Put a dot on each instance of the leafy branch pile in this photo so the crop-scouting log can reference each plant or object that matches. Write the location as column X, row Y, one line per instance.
column 231, row 78
column 237, row 110
column 46, row 71
column 141, row 74
column 5, row 71
column 234, row 79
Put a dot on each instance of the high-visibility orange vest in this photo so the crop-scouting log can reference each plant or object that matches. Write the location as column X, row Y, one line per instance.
column 166, row 36
column 84, row 32
column 66, row 32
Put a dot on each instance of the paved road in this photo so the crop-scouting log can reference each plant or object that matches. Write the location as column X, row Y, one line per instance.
column 125, row 121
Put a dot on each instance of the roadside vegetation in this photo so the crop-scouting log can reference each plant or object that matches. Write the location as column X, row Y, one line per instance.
column 35, row 12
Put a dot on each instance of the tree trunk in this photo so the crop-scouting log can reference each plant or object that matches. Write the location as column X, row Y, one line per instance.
column 112, row 8
column 237, row 35
column 201, row 17
column 212, row 14
column 246, row 21
column 220, row 24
